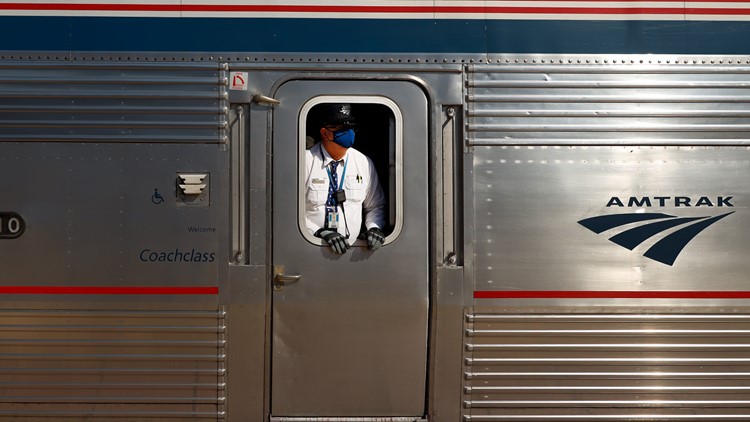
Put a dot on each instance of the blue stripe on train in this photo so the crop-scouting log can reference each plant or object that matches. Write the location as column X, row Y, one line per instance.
column 79, row 34
column 619, row 37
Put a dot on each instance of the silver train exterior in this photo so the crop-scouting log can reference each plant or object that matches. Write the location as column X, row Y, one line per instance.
column 566, row 239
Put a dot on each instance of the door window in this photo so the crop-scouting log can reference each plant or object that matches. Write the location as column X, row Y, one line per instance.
column 378, row 135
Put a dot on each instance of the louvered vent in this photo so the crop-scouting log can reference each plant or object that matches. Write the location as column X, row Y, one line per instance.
column 608, row 104
column 105, row 365
column 112, row 102
column 607, row 367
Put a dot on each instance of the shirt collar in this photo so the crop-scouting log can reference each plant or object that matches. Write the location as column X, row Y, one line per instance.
column 327, row 159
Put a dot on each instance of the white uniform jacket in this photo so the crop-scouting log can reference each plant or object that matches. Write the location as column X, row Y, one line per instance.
column 364, row 196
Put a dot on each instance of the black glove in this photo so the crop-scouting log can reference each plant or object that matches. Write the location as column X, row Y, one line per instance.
column 335, row 240
column 375, row 238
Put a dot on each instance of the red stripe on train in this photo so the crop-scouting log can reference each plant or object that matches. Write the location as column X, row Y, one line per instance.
column 380, row 9
column 581, row 294
column 102, row 290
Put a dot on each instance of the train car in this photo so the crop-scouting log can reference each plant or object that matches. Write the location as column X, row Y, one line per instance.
column 566, row 211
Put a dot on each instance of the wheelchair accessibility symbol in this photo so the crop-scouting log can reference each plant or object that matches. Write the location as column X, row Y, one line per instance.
column 156, row 198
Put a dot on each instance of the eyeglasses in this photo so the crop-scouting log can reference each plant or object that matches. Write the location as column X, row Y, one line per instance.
column 339, row 128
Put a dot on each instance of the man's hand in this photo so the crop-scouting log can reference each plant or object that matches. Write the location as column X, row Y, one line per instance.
column 375, row 238
column 335, row 240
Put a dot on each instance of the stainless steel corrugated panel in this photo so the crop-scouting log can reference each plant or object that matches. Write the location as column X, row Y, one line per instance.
column 607, row 367
column 113, row 102
column 133, row 365
column 608, row 104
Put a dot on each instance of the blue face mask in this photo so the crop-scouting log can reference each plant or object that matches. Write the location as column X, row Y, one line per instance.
column 345, row 138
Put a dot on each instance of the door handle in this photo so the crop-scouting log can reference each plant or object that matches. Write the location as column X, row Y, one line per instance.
column 281, row 280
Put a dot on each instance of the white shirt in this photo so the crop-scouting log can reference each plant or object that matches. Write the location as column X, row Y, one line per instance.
column 364, row 196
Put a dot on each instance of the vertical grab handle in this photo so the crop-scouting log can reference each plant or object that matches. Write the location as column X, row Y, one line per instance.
column 452, row 178
column 239, row 188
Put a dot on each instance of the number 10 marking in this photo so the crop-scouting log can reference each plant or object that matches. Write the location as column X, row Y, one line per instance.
column 11, row 225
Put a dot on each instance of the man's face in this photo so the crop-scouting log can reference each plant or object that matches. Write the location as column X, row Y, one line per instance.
column 330, row 130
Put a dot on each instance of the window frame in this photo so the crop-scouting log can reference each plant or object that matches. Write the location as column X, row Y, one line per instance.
column 397, row 155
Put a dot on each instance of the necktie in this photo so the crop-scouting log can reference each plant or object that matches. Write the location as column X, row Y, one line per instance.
column 333, row 184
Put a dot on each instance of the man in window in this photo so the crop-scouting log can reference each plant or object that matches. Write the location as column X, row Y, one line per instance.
column 343, row 191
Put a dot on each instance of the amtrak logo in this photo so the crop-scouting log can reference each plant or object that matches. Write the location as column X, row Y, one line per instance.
column 668, row 248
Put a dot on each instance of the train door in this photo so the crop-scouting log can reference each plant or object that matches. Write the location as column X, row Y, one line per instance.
column 349, row 334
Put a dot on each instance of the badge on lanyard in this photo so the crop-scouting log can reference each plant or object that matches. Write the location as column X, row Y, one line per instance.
column 332, row 218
